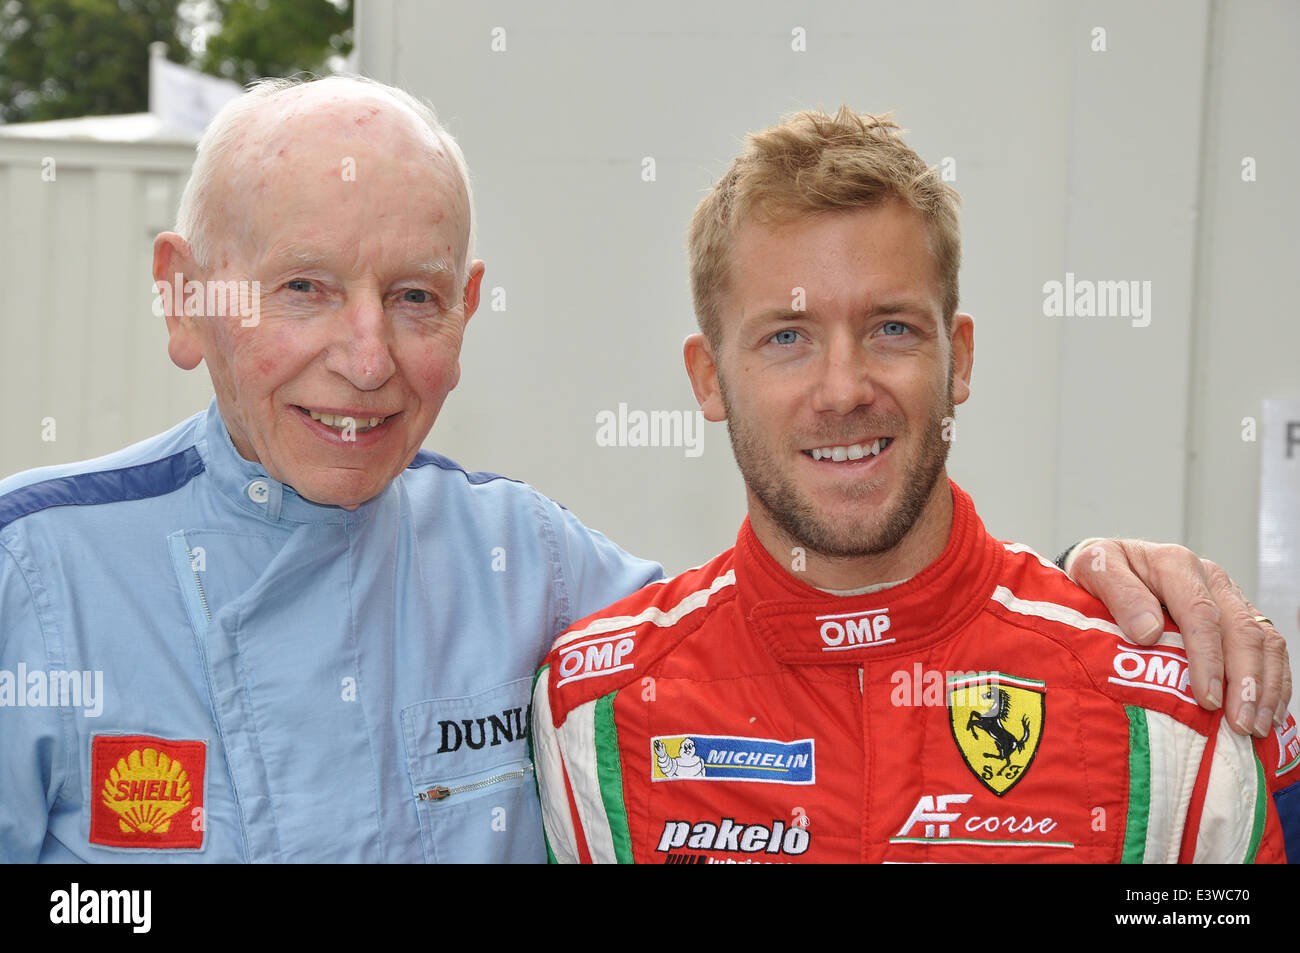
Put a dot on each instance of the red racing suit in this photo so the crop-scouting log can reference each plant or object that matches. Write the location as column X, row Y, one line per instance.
column 985, row 710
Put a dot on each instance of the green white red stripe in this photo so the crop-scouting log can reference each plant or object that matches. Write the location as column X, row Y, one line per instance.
column 1164, row 759
column 988, row 678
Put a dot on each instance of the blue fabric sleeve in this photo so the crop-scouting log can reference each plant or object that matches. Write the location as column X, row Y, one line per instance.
column 597, row 571
column 34, row 753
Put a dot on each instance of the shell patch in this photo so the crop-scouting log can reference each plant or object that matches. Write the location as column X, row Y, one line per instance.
column 147, row 792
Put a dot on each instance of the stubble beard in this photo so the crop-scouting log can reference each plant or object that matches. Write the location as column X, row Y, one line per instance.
column 791, row 509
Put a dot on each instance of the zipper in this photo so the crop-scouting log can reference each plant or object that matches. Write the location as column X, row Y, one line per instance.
column 198, row 583
column 440, row 792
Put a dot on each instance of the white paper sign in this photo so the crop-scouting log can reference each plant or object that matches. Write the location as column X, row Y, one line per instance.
column 184, row 97
column 1279, row 525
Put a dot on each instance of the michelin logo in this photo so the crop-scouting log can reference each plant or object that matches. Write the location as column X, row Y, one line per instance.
column 724, row 758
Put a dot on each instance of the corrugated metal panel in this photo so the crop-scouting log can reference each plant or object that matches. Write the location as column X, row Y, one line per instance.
column 80, row 347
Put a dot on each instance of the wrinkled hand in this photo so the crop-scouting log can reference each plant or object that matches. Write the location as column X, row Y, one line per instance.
column 1132, row 577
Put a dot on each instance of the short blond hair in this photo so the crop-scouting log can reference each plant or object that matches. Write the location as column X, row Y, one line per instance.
column 813, row 162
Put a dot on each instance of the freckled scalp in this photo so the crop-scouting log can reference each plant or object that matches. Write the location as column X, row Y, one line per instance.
column 281, row 121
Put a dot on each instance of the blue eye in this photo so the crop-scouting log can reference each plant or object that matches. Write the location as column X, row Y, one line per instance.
column 786, row 336
column 421, row 298
column 894, row 328
column 300, row 284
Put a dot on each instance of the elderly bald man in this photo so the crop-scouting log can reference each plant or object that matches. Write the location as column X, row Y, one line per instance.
column 281, row 631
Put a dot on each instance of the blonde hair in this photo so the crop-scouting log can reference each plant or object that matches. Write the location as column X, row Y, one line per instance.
column 810, row 163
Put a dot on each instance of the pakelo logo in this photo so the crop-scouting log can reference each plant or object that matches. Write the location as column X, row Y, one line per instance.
column 1159, row 670
column 853, row 630
column 937, row 820
column 150, row 792
column 723, row 758
column 603, row 656
column 1288, row 746
column 728, row 836
column 996, row 718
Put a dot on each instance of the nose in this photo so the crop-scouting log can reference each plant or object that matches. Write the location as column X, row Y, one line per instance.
column 844, row 381
column 362, row 349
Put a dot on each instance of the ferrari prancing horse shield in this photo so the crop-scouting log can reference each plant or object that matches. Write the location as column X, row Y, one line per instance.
column 997, row 722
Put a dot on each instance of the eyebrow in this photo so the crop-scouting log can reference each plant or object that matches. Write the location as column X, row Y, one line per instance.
column 896, row 306
column 434, row 270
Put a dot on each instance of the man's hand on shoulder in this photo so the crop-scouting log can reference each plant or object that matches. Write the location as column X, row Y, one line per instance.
column 1220, row 627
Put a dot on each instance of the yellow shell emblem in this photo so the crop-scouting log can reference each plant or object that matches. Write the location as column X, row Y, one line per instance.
column 145, row 790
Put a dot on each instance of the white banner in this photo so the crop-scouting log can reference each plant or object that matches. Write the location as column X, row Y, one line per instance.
column 1279, row 524
column 184, row 97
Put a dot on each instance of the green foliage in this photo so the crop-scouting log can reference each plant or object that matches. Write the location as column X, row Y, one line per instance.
column 261, row 38
column 66, row 58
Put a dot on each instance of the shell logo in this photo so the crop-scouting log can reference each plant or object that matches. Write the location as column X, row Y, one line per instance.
column 145, row 790
column 149, row 792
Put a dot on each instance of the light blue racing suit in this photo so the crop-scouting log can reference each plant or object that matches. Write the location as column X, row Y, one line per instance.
column 196, row 663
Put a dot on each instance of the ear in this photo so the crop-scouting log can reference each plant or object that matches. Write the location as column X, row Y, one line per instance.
column 962, row 340
column 172, row 265
column 702, row 369
column 472, row 287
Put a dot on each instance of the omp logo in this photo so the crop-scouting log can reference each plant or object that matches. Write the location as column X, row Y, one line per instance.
column 932, row 812
column 602, row 656
column 852, row 630
column 1158, row 670
column 725, row 758
column 1288, row 745
column 727, row 835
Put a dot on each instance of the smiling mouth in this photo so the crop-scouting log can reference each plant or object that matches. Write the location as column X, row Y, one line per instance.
column 341, row 422
column 852, row 451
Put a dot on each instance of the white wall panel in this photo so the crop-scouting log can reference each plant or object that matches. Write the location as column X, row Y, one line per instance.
column 78, row 339
column 1114, row 165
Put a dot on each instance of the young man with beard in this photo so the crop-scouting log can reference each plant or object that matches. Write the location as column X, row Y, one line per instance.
column 868, row 675
column 302, row 645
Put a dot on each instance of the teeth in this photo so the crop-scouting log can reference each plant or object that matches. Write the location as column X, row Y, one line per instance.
column 857, row 451
column 341, row 421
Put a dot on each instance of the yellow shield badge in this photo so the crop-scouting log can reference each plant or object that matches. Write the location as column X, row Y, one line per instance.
column 997, row 722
